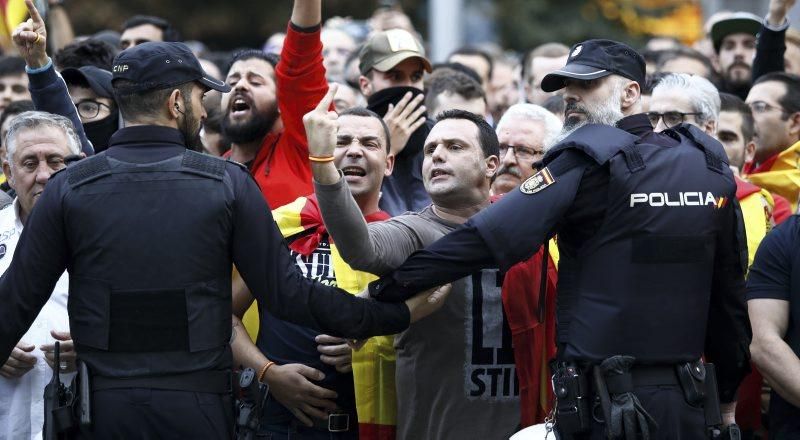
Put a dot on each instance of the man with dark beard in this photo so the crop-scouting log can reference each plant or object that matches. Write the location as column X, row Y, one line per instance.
column 650, row 281
column 748, row 47
column 266, row 133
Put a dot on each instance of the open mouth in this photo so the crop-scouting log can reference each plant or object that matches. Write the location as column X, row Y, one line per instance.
column 354, row 171
column 439, row 173
column 239, row 106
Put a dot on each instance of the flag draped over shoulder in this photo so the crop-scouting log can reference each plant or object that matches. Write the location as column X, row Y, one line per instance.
column 780, row 174
column 373, row 364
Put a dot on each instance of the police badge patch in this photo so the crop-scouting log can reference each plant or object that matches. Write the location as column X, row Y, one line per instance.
column 537, row 182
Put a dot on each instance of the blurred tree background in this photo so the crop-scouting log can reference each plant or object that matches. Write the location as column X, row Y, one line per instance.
column 516, row 24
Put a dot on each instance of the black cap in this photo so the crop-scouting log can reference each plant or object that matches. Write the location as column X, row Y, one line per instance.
column 734, row 23
column 594, row 59
column 99, row 80
column 160, row 65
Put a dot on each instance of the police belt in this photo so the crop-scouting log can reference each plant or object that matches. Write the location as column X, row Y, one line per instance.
column 644, row 376
column 216, row 382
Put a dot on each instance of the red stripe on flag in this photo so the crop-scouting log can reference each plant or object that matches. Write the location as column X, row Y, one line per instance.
column 373, row 431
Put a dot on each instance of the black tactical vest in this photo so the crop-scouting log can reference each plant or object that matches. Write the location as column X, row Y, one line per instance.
column 641, row 285
column 150, row 264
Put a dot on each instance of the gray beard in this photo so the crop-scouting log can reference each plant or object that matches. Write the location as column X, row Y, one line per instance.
column 607, row 114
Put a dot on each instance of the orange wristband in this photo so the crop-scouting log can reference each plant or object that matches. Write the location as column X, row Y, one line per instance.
column 321, row 158
column 264, row 371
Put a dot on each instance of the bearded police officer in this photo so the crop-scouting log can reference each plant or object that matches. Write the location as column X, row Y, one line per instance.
column 651, row 274
column 149, row 231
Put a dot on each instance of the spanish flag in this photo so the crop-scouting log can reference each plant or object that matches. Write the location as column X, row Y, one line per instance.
column 374, row 363
column 13, row 13
column 780, row 174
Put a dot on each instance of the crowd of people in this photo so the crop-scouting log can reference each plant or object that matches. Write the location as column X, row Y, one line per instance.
column 367, row 153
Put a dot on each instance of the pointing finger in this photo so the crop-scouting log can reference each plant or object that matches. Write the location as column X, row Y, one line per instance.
column 325, row 104
column 34, row 12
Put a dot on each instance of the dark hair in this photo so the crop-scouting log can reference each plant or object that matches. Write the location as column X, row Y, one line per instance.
column 11, row 65
column 486, row 134
column 453, row 82
column 732, row 103
column 135, row 106
column 249, row 54
column 366, row 113
column 89, row 52
column 665, row 56
column 15, row 108
column 790, row 101
column 458, row 67
column 169, row 32
column 472, row 51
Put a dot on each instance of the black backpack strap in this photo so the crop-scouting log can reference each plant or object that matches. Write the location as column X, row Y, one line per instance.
column 633, row 157
column 716, row 158
column 598, row 141
column 88, row 170
column 203, row 164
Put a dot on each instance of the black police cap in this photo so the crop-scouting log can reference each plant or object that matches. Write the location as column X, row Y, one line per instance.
column 594, row 59
column 160, row 65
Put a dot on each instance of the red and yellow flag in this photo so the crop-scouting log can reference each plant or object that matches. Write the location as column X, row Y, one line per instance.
column 13, row 12
column 374, row 363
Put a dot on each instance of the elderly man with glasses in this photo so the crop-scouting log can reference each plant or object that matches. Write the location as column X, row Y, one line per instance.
column 679, row 98
column 525, row 132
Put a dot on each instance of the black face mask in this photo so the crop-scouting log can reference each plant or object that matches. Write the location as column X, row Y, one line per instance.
column 379, row 103
column 99, row 132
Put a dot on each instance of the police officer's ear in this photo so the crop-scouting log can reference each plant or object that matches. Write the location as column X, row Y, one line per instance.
column 175, row 104
column 631, row 94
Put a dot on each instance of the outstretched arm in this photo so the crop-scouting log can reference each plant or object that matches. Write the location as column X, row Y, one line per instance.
column 48, row 90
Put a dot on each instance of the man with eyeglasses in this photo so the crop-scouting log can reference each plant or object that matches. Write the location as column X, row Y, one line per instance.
column 651, row 275
column 775, row 103
column 679, row 98
column 525, row 132
column 91, row 92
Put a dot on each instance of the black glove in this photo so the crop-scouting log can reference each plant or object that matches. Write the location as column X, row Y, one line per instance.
column 628, row 417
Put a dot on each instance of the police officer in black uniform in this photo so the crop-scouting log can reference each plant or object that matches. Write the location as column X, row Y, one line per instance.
column 652, row 259
column 149, row 231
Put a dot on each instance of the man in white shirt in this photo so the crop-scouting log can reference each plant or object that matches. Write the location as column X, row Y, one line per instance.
column 38, row 144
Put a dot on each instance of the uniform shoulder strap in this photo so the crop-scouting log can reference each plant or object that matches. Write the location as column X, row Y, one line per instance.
column 598, row 141
column 87, row 170
column 716, row 158
column 203, row 164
